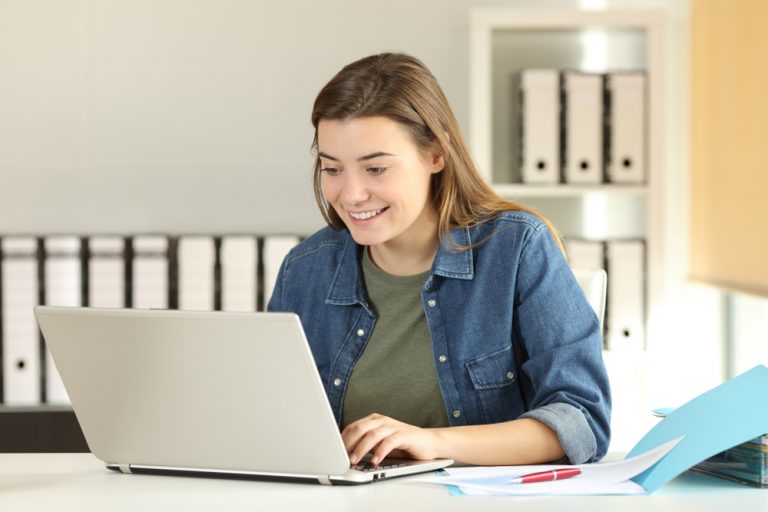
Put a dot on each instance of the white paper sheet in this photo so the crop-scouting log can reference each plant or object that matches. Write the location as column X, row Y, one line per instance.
column 599, row 478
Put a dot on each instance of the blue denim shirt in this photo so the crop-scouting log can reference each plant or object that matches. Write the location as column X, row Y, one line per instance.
column 510, row 304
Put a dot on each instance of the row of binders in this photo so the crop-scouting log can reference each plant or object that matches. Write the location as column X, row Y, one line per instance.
column 625, row 305
column 229, row 273
column 582, row 128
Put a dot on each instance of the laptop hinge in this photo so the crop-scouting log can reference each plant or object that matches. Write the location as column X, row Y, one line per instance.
column 325, row 480
column 125, row 468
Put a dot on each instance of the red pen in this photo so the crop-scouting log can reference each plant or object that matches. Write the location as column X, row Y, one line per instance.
column 546, row 476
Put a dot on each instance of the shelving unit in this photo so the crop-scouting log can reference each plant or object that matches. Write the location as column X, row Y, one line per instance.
column 506, row 40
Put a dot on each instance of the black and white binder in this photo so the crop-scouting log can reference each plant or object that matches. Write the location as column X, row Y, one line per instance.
column 149, row 286
column 63, row 287
column 540, row 125
column 238, row 273
column 20, row 335
column 583, row 127
column 106, row 272
column 626, row 127
column 626, row 295
column 275, row 250
column 196, row 258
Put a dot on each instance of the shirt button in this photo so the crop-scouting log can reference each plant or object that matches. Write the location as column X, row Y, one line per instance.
column 337, row 382
column 442, row 358
column 456, row 414
column 431, row 303
column 510, row 375
column 360, row 332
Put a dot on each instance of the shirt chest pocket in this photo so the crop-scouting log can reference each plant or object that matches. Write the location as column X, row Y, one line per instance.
column 494, row 377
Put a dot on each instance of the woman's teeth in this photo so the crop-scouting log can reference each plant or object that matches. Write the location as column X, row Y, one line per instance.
column 365, row 215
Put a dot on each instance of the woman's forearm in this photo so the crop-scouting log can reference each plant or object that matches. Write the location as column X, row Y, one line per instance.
column 523, row 441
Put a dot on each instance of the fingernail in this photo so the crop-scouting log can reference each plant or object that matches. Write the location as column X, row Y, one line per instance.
column 353, row 459
column 375, row 461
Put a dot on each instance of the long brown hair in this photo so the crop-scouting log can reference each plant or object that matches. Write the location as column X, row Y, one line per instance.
column 401, row 88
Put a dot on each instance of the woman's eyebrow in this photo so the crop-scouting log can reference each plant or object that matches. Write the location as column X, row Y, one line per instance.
column 370, row 156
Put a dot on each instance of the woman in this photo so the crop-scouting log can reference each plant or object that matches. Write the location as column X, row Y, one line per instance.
column 444, row 321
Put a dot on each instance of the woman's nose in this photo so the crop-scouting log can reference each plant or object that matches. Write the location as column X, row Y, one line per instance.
column 355, row 189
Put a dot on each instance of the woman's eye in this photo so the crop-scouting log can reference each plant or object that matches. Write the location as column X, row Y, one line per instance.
column 376, row 170
column 331, row 171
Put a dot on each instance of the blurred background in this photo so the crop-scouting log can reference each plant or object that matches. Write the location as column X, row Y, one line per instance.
column 191, row 118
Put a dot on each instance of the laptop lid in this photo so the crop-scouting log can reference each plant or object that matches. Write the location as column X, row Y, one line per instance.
column 199, row 391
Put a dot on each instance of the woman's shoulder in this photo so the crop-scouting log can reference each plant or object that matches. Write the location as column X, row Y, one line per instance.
column 325, row 240
column 512, row 223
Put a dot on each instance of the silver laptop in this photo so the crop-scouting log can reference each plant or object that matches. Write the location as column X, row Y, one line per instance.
column 203, row 393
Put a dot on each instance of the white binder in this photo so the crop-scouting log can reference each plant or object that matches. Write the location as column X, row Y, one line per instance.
column 627, row 127
column 197, row 257
column 106, row 272
column 583, row 149
column 150, row 272
column 238, row 273
column 63, row 282
column 585, row 254
column 20, row 335
column 275, row 250
column 540, row 127
column 626, row 295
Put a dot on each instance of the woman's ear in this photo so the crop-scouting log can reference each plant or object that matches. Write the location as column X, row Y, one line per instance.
column 438, row 162
column 437, row 152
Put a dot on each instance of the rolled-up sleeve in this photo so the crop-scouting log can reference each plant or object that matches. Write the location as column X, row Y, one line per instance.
column 574, row 433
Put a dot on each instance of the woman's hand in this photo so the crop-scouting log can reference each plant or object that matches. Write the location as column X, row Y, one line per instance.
column 381, row 435
column 522, row 441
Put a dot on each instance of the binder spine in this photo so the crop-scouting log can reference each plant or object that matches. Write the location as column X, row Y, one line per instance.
column 104, row 269
column 63, row 285
column 540, row 111
column 151, row 272
column 627, row 298
column 238, row 260
column 196, row 263
column 627, row 100
column 582, row 150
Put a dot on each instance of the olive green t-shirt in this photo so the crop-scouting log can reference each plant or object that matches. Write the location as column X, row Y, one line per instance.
column 395, row 376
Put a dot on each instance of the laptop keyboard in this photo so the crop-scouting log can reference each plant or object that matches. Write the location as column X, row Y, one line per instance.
column 384, row 464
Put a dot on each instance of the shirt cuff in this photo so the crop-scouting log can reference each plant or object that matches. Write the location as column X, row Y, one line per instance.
column 576, row 438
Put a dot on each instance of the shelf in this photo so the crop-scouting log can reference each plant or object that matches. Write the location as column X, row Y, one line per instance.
column 43, row 428
column 518, row 190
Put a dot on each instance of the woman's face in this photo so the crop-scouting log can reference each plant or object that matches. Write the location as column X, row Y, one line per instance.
column 377, row 180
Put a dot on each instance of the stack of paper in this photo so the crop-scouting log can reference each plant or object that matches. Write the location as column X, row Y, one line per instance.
column 601, row 478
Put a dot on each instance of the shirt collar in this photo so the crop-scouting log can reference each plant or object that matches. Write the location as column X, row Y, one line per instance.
column 347, row 285
column 452, row 262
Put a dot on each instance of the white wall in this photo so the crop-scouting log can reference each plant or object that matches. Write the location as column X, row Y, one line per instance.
column 749, row 332
column 125, row 116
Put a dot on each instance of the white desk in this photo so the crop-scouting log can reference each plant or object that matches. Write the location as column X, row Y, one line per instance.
column 79, row 482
